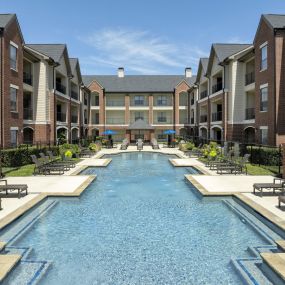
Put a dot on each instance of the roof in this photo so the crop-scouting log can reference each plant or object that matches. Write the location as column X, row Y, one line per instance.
column 276, row 21
column 140, row 125
column 53, row 51
column 73, row 62
column 204, row 62
column 138, row 83
column 5, row 19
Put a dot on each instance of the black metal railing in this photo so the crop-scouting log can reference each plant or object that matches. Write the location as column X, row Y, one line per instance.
column 217, row 87
column 61, row 117
column 163, row 103
column 218, row 116
column 250, row 113
column 74, row 95
column 203, row 118
column 28, row 114
column 27, row 78
column 204, row 94
column 249, row 78
column 60, row 88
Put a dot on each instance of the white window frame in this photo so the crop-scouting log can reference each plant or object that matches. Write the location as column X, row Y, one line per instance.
column 15, row 88
column 261, row 47
column 12, row 44
column 260, row 94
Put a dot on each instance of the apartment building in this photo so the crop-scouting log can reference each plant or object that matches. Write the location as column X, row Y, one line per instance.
column 157, row 102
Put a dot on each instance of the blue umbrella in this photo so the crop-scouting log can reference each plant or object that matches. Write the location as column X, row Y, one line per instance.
column 109, row 132
column 169, row 132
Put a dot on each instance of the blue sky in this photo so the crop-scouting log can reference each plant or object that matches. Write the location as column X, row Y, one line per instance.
column 144, row 36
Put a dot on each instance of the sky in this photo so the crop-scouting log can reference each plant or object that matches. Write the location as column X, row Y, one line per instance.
column 143, row 36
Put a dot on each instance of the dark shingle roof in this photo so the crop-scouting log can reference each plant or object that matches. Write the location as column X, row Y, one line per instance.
column 204, row 62
column 53, row 51
column 140, row 125
column 138, row 83
column 276, row 21
column 225, row 50
column 5, row 19
column 73, row 62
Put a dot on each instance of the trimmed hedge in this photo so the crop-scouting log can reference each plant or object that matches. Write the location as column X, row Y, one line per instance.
column 22, row 156
column 264, row 155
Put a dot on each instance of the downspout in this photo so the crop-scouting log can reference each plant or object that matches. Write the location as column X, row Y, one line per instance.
column 1, row 89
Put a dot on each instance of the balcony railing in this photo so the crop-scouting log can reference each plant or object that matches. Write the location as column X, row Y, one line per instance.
column 115, row 103
column 163, row 103
column 85, row 102
column 28, row 114
column 74, row 119
column 217, row 87
column 218, row 116
column 115, row 121
column 249, row 78
column 60, row 88
column 61, row 117
column 203, row 118
column 85, row 121
column 139, row 103
column 74, row 95
column 183, row 121
column 204, row 94
column 95, row 121
column 250, row 113
column 27, row 78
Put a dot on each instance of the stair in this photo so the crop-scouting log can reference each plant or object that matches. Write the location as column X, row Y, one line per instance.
column 281, row 244
column 7, row 263
column 2, row 245
column 276, row 261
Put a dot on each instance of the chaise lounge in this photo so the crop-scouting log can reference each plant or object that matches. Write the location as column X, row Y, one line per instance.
column 154, row 144
column 278, row 184
column 13, row 187
column 43, row 168
column 70, row 163
column 140, row 144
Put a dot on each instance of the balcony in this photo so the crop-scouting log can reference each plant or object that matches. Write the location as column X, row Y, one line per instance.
column 28, row 114
column 115, row 121
column 249, row 78
column 192, row 101
column 217, row 87
column 61, row 117
column 192, row 121
column 183, row 121
column 140, row 103
column 85, row 101
column 218, row 116
column 250, row 113
column 74, row 119
column 60, row 88
column 203, row 118
column 28, row 78
column 204, row 94
column 163, row 103
column 74, row 95
column 85, row 121
column 115, row 103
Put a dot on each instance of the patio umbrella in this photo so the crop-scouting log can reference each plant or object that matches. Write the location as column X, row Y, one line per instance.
column 169, row 132
column 109, row 132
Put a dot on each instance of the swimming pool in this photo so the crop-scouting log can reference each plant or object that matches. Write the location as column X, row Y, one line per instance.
column 140, row 222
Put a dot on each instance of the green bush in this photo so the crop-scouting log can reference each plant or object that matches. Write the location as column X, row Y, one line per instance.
column 74, row 148
column 22, row 156
column 94, row 146
column 68, row 154
column 264, row 155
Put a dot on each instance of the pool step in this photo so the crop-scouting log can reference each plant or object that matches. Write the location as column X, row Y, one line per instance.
column 276, row 261
column 11, row 234
column 2, row 245
column 7, row 263
column 281, row 244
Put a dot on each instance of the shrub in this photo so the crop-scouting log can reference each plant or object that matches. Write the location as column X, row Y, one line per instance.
column 68, row 154
column 264, row 155
column 94, row 146
column 73, row 148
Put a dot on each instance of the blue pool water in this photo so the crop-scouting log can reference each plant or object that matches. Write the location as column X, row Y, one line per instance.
column 140, row 222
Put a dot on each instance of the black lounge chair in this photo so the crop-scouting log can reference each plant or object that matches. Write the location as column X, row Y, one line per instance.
column 54, row 159
column 234, row 167
column 46, row 160
column 222, row 161
column 154, row 144
column 86, row 152
column 278, row 184
column 43, row 168
column 13, row 187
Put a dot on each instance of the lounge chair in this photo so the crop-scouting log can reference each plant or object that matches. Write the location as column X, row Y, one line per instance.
column 86, row 152
column 222, row 161
column 124, row 144
column 13, row 187
column 54, row 159
column 154, row 144
column 43, row 168
column 278, row 184
column 281, row 199
column 139, row 144
column 234, row 167
column 53, row 162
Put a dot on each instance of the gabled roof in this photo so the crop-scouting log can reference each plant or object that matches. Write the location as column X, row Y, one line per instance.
column 140, row 125
column 5, row 19
column 75, row 67
column 138, row 83
column 223, row 51
column 275, row 20
column 202, row 68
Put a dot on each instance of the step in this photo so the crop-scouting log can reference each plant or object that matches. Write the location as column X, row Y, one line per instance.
column 281, row 244
column 276, row 261
column 7, row 263
column 2, row 245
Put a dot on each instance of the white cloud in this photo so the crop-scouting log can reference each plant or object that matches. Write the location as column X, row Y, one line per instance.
column 139, row 52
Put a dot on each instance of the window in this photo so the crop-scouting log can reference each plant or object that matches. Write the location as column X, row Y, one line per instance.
column 162, row 101
column 139, row 116
column 13, row 57
column 139, row 100
column 14, row 137
column 263, row 99
column 161, row 118
column 13, row 99
column 264, row 135
column 263, row 63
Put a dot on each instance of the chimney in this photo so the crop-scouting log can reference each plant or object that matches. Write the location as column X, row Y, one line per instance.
column 121, row 72
column 188, row 72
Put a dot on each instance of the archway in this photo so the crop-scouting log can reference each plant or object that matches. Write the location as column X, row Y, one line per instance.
column 62, row 135
column 203, row 132
column 74, row 135
column 28, row 135
column 249, row 135
column 217, row 133
column 183, row 132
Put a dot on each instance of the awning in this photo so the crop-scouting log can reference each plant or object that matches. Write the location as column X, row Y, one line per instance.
column 140, row 125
